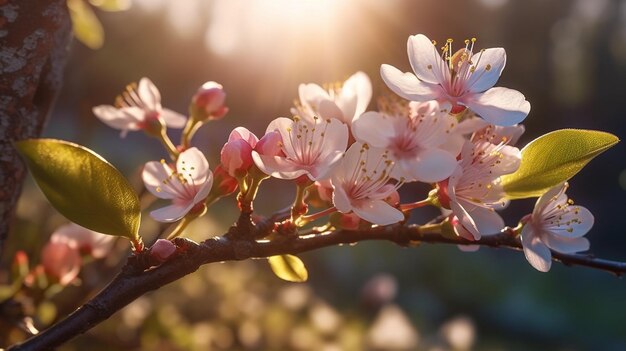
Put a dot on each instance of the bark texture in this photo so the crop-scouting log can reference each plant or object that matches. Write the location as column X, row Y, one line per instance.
column 34, row 37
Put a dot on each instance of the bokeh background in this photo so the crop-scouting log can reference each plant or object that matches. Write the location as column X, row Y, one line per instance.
column 567, row 57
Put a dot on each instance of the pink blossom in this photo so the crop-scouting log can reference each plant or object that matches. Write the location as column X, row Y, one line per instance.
column 309, row 147
column 86, row 241
column 555, row 224
column 61, row 260
column 344, row 102
column 462, row 79
column 414, row 140
column 209, row 101
column 187, row 185
column 361, row 184
column 138, row 108
column 236, row 155
column 474, row 191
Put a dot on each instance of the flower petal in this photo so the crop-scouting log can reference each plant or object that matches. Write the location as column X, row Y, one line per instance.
column 373, row 128
column 340, row 198
column 490, row 64
column 171, row 213
column 193, row 166
column 464, row 218
column 500, row 106
column 426, row 62
column 358, row 84
column 278, row 167
column 536, row 252
column 565, row 245
column 153, row 175
column 407, row 85
column 127, row 118
column 311, row 94
column 329, row 109
column 573, row 224
column 487, row 220
column 322, row 169
column 284, row 126
column 245, row 134
column 204, row 190
column 378, row 212
column 149, row 94
column 173, row 119
column 335, row 138
column 430, row 165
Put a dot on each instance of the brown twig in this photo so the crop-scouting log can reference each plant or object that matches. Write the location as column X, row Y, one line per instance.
column 136, row 279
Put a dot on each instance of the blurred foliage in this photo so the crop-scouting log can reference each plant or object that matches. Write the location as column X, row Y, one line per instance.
column 567, row 57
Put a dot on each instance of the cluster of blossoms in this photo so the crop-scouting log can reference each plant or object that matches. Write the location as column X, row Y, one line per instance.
column 452, row 129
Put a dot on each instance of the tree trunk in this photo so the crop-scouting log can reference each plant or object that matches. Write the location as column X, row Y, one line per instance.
column 34, row 37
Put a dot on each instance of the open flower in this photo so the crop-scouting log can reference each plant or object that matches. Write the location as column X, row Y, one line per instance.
column 139, row 107
column 555, row 224
column 412, row 139
column 187, row 185
column 344, row 102
column 473, row 192
column 85, row 240
column 462, row 78
column 309, row 148
column 361, row 184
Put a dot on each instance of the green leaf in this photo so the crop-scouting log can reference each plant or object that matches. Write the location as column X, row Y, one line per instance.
column 554, row 158
column 83, row 186
column 87, row 28
column 111, row 5
column 289, row 268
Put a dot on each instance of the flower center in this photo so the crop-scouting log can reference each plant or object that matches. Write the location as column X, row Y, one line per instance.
column 308, row 141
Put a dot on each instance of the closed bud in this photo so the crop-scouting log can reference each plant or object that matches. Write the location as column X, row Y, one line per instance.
column 162, row 250
column 236, row 157
column 208, row 102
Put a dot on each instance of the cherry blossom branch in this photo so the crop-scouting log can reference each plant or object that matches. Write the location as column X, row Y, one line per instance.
column 137, row 279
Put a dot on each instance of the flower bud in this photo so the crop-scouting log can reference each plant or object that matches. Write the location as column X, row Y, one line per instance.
column 236, row 157
column 61, row 261
column 270, row 145
column 223, row 183
column 208, row 103
column 20, row 264
column 162, row 250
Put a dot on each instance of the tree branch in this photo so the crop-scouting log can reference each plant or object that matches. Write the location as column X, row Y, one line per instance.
column 136, row 279
column 34, row 35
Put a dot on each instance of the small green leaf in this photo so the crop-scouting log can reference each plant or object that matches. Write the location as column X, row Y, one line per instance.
column 111, row 5
column 289, row 268
column 87, row 28
column 83, row 186
column 554, row 158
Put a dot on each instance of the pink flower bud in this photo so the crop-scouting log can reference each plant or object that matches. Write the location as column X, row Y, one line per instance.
column 162, row 250
column 270, row 145
column 61, row 261
column 349, row 221
column 209, row 102
column 223, row 183
column 236, row 157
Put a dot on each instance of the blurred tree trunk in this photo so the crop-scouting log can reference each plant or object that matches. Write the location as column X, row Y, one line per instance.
column 34, row 36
